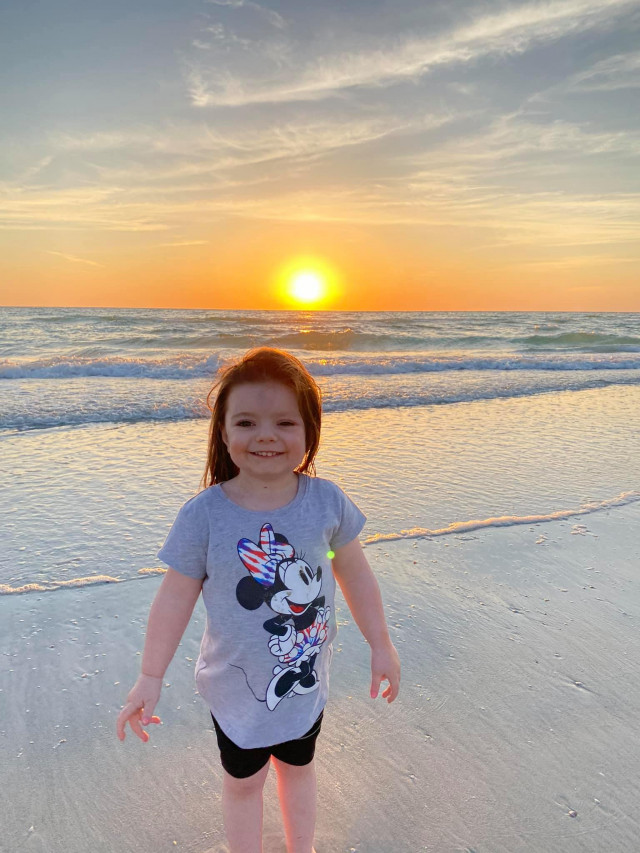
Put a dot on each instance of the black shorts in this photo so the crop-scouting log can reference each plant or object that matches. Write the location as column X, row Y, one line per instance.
column 242, row 763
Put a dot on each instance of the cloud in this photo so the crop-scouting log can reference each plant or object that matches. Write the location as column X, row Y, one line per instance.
column 111, row 140
column 569, row 261
column 514, row 136
column 91, row 208
column 199, row 149
column 273, row 17
column 75, row 260
column 511, row 32
column 183, row 243
column 616, row 72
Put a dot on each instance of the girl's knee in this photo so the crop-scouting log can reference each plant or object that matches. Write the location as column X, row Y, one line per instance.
column 247, row 785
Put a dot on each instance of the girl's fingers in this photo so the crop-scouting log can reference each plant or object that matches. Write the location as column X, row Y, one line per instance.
column 123, row 716
column 136, row 727
column 132, row 715
column 392, row 690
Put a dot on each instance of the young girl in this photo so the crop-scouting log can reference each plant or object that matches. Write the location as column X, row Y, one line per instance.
column 264, row 542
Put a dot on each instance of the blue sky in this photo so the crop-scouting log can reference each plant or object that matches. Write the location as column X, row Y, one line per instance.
column 507, row 131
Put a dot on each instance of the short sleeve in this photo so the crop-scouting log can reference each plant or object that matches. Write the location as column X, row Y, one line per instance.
column 351, row 521
column 185, row 548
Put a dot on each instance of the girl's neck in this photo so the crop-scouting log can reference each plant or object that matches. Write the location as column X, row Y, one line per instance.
column 261, row 495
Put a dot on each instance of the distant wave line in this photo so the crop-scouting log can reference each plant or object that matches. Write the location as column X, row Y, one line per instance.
column 191, row 367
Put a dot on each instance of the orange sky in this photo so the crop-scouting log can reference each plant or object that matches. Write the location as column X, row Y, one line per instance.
column 368, row 270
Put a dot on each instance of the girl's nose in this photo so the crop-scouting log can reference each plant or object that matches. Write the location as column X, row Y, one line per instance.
column 266, row 432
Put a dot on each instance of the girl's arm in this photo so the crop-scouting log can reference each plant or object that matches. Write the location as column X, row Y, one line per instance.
column 169, row 616
column 362, row 594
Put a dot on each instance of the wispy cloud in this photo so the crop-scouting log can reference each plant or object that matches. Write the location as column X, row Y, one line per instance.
column 511, row 32
column 505, row 218
column 73, row 208
column 273, row 17
column 515, row 136
column 183, row 243
column 75, row 260
column 616, row 72
column 570, row 261
column 200, row 149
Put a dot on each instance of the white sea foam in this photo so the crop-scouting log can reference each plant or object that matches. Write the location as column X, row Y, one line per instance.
column 503, row 521
column 77, row 402
column 43, row 586
column 191, row 366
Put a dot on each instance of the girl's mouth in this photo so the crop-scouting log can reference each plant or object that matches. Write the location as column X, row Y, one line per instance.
column 265, row 454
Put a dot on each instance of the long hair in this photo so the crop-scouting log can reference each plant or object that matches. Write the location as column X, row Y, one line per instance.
column 263, row 364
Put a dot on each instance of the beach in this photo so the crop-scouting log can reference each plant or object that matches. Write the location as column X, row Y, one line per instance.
column 516, row 728
column 503, row 528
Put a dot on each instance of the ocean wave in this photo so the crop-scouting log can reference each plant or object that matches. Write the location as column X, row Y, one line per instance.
column 138, row 409
column 191, row 366
column 593, row 341
column 138, row 333
column 74, row 366
column 132, row 413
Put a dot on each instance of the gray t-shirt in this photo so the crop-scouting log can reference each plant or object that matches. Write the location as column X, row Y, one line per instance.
column 269, row 594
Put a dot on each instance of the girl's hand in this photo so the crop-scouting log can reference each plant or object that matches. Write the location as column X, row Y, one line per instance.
column 385, row 666
column 138, row 711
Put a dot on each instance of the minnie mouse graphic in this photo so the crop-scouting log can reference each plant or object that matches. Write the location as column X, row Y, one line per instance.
column 288, row 585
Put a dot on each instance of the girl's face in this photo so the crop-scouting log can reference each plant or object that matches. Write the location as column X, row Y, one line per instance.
column 263, row 429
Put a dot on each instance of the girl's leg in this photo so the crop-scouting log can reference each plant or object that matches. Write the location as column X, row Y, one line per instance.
column 297, row 793
column 242, row 811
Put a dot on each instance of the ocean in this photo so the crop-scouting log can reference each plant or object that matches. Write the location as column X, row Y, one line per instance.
column 435, row 423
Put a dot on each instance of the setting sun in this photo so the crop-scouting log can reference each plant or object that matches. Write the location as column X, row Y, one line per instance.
column 307, row 282
column 307, row 286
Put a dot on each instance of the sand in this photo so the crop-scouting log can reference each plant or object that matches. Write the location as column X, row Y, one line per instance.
column 515, row 730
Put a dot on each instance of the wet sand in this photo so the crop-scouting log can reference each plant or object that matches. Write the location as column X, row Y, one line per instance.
column 516, row 728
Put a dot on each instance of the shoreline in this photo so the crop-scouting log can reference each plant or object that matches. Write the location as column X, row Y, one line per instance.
column 456, row 527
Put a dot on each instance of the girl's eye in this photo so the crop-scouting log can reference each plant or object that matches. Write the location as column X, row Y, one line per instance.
column 286, row 423
column 243, row 423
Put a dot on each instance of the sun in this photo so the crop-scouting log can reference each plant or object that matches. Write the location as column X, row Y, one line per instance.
column 306, row 283
column 307, row 286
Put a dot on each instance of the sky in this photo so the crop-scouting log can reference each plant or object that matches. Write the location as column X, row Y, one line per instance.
column 445, row 155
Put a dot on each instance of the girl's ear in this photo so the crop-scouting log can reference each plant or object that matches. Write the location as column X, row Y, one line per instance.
column 223, row 433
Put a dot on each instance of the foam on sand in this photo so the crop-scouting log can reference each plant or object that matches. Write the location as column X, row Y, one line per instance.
column 43, row 586
column 504, row 520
